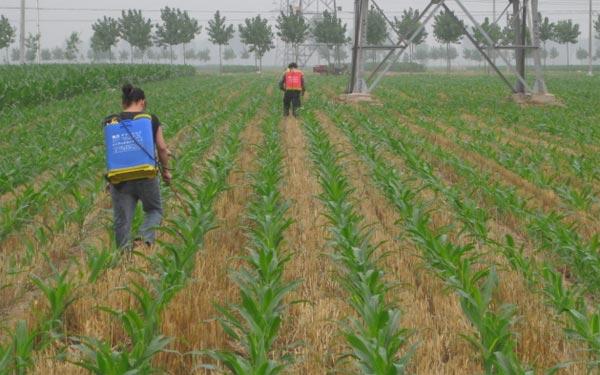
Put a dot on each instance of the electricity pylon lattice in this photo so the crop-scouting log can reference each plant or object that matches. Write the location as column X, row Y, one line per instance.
column 525, row 18
column 311, row 9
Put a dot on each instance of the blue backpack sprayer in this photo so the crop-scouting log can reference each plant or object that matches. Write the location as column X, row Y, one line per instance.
column 130, row 149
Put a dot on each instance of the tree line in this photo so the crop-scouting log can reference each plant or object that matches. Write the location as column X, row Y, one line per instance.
column 328, row 32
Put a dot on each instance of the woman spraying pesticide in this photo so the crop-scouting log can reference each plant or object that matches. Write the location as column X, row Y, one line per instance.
column 136, row 153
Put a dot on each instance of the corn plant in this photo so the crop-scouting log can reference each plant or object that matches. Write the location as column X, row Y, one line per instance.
column 255, row 321
column 563, row 300
column 99, row 260
column 377, row 341
column 16, row 356
column 141, row 327
column 59, row 295
column 24, row 85
column 457, row 265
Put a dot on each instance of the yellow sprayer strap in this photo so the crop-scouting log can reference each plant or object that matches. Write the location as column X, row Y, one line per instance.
column 142, row 115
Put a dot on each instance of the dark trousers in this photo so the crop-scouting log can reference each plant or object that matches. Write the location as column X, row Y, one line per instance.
column 125, row 197
column 291, row 97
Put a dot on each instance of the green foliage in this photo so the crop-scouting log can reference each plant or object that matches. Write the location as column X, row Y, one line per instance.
column 23, row 86
column 72, row 49
column 203, row 55
column 255, row 322
column 32, row 43
column 447, row 28
column 566, row 32
column 547, row 30
column 177, row 28
column 219, row 33
column 135, row 29
column 256, row 33
column 106, row 34
column 229, row 54
column 493, row 30
column 293, row 29
column 582, row 54
column 408, row 24
column 330, row 31
column 7, row 33
column 375, row 337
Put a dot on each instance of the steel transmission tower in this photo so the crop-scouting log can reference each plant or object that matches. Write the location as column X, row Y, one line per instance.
column 524, row 18
column 311, row 9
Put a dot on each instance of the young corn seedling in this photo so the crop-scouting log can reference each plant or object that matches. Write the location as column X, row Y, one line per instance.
column 254, row 322
column 454, row 264
column 16, row 356
column 375, row 336
column 579, row 323
column 142, row 329
column 59, row 293
column 99, row 260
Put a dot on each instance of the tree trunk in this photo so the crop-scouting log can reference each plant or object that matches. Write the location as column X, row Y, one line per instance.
column 296, row 53
column 131, row 49
column 568, row 61
column 545, row 54
column 260, row 62
column 171, row 49
column 448, row 64
column 220, row 58
column 183, row 53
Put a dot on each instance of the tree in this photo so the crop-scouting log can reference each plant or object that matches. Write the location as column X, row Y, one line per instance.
column 106, row 35
column 190, row 54
column 58, row 54
column 582, row 54
column 46, row 54
column 7, row 34
column 135, row 30
column 566, row 32
column 169, row 33
column 203, row 55
column 407, row 25
column 554, row 53
column 245, row 54
column 494, row 32
column 123, row 55
column 546, row 32
column 293, row 29
column 15, row 54
column 597, row 27
column 229, row 54
column 448, row 29
column 377, row 31
column 330, row 31
column 72, row 49
column 258, row 36
column 189, row 30
column 219, row 33
column 32, row 43
column 422, row 54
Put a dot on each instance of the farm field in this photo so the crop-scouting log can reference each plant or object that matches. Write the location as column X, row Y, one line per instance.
column 442, row 230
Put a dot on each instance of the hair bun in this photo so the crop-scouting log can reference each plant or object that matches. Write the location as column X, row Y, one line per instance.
column 127, row 89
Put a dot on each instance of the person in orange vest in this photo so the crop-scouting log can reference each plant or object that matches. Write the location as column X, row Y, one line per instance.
column 292, row 84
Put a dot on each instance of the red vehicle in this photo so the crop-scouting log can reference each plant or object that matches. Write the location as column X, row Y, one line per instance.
column 331, row 69
column 320, row 69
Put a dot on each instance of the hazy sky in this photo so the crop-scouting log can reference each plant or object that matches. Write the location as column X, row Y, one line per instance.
column 60, row 17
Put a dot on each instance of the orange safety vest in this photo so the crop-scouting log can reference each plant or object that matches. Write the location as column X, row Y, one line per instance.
column 293, row 80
